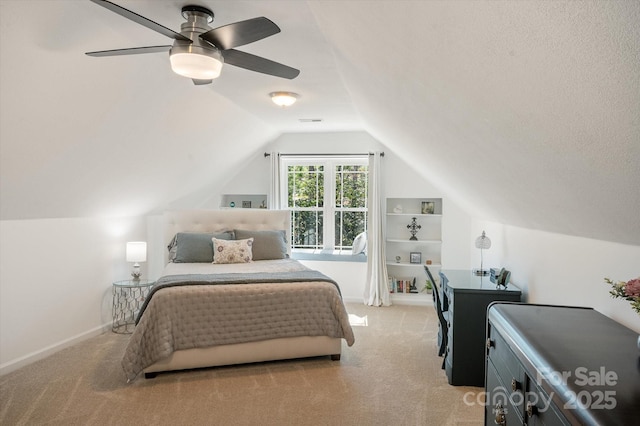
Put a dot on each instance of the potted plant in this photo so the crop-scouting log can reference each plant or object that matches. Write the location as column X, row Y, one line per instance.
column 428, row 286
column 629, row 290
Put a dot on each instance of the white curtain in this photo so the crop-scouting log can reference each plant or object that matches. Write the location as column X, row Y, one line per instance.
column 376, row 290
column 273, row 198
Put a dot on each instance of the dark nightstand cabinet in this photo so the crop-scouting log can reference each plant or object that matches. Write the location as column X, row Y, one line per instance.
column 466, row 297
column 557, row 365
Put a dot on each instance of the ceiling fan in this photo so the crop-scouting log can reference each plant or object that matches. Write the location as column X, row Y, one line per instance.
column 199, row 51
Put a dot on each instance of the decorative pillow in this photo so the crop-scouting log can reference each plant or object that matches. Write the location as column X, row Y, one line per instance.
column 235, row 251
column 267, row 245
column 194, row 247
column 359, row 244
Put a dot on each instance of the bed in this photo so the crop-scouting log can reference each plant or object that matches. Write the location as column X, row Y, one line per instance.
column 232, row 310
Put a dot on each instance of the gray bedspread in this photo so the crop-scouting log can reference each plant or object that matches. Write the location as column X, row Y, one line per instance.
column 187, row 312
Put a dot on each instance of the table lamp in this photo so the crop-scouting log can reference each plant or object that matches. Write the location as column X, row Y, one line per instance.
column 482, row 242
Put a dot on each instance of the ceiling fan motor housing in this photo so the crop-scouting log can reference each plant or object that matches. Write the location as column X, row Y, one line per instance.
column 197, row 53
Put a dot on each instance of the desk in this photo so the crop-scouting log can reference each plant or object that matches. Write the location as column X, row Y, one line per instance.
column 466, row 296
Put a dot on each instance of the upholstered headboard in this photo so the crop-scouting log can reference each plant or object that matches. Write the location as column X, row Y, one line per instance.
column 225, row 220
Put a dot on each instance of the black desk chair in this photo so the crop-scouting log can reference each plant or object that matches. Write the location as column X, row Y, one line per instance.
column 443, row 329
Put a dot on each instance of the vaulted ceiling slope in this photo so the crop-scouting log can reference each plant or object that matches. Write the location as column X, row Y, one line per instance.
column 526, row 113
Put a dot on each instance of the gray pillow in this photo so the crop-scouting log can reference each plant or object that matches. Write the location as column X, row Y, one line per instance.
column 194, row 247
column 267, row 245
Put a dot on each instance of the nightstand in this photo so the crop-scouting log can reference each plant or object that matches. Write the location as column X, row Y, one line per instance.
column 128, row 297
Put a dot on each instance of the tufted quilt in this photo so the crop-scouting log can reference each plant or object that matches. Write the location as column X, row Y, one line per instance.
column 195, row 316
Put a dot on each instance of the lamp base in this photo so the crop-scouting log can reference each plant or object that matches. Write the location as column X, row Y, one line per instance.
column 135, row 273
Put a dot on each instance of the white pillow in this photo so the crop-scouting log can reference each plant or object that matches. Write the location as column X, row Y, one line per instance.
column 232, row 251
column 359, row 244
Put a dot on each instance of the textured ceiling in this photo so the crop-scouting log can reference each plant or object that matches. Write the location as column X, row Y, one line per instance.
column 526, row 113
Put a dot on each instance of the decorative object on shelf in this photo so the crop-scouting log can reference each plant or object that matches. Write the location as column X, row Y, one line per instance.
column 397, row 209
column 136, row 252
column 246, row 204
column 415, row 257
column 428, row 286
column 428, row 262
column 483, row 243
column 413, row 227
column 428, row 207
column 232, row 204
column 398, row 258
column 629, row 290
column 263, row 205
column 503, row 279
column 412, row 286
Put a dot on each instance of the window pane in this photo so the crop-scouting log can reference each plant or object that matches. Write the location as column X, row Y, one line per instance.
column 348, row 225
column 351, row 186
column 305, row 186
column 307, row 229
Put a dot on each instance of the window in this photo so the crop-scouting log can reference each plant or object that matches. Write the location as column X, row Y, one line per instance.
column 327, row 197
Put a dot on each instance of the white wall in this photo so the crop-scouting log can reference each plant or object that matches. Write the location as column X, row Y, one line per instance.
column 560, row 269
column 55, row 282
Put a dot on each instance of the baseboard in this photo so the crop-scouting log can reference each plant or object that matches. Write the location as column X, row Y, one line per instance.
column 398, row 299
column 25, row 360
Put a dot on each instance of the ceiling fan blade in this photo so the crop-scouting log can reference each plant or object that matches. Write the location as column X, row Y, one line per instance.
column 240, row 33
column 130, row 51
column 201, row 82
column 138, row 19
column 256, row 63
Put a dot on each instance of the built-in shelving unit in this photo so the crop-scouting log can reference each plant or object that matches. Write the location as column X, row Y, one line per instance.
column 413, row 254
column 243, row 201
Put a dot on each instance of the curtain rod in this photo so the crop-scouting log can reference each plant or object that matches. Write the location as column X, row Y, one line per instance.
column 268, row 154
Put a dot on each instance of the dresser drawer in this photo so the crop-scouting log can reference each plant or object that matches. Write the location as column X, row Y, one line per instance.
column 539, row 410
column 500, row 407
column 509, row 369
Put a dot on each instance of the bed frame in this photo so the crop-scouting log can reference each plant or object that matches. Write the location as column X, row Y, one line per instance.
column 241, row 353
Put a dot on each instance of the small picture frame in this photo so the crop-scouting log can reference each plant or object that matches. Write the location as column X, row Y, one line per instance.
column 415, row 257
column 246, row 204
column 428, row 207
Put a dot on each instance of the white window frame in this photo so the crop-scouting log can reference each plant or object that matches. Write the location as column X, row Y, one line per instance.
column 329, row 209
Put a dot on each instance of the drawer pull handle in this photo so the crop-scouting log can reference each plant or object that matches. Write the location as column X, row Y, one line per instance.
column 531, row 409
column 489, row 343
column 501, row 419
column 515, row 385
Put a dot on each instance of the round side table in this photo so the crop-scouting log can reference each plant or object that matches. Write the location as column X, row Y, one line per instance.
column 128, row 297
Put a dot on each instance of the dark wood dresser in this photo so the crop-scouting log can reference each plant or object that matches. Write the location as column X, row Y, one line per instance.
column 466, row 297
column 556, row 365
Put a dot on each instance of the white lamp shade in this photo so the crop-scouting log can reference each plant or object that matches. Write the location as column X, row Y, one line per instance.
column 196, row 66
column 137, row 251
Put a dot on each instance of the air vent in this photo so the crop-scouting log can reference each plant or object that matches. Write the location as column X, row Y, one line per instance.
column 310, row 120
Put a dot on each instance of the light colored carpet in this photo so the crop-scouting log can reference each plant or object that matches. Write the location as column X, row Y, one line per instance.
column 391, row 376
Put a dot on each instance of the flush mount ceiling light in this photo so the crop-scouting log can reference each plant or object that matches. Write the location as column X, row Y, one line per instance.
column 284, row 99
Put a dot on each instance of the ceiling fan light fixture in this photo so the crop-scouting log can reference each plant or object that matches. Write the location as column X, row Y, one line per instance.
column 195, row 62
column 284, row 99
